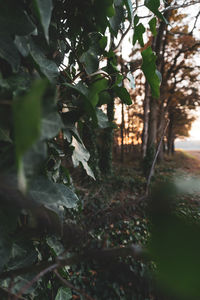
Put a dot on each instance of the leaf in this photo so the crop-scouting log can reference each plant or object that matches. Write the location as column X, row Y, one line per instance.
column 136, row 20
column 90, row 61
column 175, row 248
column 22, row 44
column 13, row 20
column 95, row 88
column 153, row 6
column 23, row 254
column 8, row 223
column 27, row 117
column 123, row 94
column 138, row 34
column 149, row 69
column 152, row 25
column 51, row 125
column 4, row 135
column 52, row 195
column 81, row 155
column 34, row 158
column 5, row 248
column 102, row 119
column 104, row 98
column 8, row 51
column 45, row 65
column 44, row 8
column 129, row 7
column 117, row 19
column 103, row 42
column 64, row 293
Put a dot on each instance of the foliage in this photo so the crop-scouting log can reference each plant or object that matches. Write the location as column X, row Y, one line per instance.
column 53, row 83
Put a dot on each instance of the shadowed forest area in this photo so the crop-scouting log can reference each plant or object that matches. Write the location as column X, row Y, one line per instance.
column 95, row 203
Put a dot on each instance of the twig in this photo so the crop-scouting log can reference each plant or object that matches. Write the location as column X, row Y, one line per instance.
column 38, row 276
column 122, row 37
column 10, row 294
column 71, row 286
column 127, row 30
column 155, row 159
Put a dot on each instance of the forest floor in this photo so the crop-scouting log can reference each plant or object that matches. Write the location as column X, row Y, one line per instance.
column 115, row 213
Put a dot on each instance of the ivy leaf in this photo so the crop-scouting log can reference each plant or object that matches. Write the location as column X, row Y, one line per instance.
column 95, row 88
column 27, row 117
column 8, row 51
column 52, row 195
column 102, row 119
column 22, row 44
column 64, row 293
column 116, row 20
column 33, row 159
column 153, row 6
column 175, row 249
column 4, row 135
column 13, row 20
column 152, row 25
column 123, row 94
column 45, row 65
column 81, row 155
column 90, row 61
column 136, row 20
column 129, row 7
column 138, row 34
column 149, row 69
column 51, row 125
column 44, row 8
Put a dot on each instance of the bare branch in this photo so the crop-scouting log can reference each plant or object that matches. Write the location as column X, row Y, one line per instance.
column 35, row 279
column 71, row 286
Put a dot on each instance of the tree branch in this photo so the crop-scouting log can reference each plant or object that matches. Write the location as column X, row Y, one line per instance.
column 71, row 286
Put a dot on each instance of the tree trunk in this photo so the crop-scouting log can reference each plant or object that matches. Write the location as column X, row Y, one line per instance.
column 170, row 138
column 107, row 142
column 122, row 134
column 145, row 120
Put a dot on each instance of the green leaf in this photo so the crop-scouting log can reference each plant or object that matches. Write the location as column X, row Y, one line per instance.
column 4, row 135
column 117, row 19
column 8, row 223
column 34, row 158
column 123, row 94
column 44, row 8
column 103, row 42
column 149, row 69
column 102, row 119
column 27, row 117
column 175, row 248
column 129, row 7
column 95, row 88
column 104, row 98
column 8, row 51
column 45, row 65
column 51, row 125
column 22, row 44
column 81, row 155
column 136, row 20
column 138, row 34
column 90, row 61
column 153, row 6
column 64, row 293
column 13, row 20
column 152, row 25
column 52, row 195
column 5, row 248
